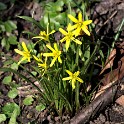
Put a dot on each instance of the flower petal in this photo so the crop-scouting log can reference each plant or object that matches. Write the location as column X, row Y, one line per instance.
column 63, row 31
column 87, row 22
column 69, row 72
column 24, row 46
column 53, row 61
column 66, row 78
column 79, row 79
column 55, row 46
column 77, row 41
column 72, row 18
column 48, row 46
column 21, row 60
column 48, row 54
column 73, row 83
column 80, row 17
column 53, row 31
column 40, row 37
column 59, row 59
column 85, row 30
column 67, row 44
column 37, row 59
column 69, row 27
column 62, row 40
column 19, row 52
column 76, row 73
column 77, row 31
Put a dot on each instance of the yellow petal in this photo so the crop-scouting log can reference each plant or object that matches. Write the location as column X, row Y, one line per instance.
column 53, row 61
column 21, row 60
column 29, row 59
column 79, row 79
column 69, row 72
column 48, row 54
column 80, row 17
column 36, row 58
column 62, row 40
column 63, row 31
column 59, row 59
column 24, row 46
column 72, row 18
column 73, row 27
column 40, row 37
column 76, row 73
column 87, row 22
column 42, row 65
column 77, row 41
column 85, row 30
column 73, row 83
column 53, row 31
column 19, row 52
column 67, row 44
column 55, row 46
column 48, row 46
column 77, row 31
column 66, row 78
column 69, row 27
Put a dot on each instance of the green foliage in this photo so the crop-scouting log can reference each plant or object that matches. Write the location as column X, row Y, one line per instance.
column 13, row 117
column 9, row 108
column 54, row 92
column 13, row 93
column 40, row 107
column 7, row 80
column 2, row 118
column 28, row 100
column 8, row 39
column 2, row 6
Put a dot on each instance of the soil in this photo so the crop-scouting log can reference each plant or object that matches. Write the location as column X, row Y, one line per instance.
column 107, row 15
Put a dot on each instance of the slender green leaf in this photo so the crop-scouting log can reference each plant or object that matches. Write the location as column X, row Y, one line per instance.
column 32, row 21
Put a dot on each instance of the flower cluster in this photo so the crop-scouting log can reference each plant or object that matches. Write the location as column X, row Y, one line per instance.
column 69, row 35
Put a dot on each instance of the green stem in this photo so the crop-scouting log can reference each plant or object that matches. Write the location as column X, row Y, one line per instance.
column 118, row 33
column 77, row 96
column 77, row 55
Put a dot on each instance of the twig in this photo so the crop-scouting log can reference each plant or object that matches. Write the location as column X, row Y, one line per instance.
column 113, row 14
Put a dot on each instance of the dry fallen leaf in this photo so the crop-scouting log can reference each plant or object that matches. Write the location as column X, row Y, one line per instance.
column 120, row 100
column 116, row 62
column 109, row 62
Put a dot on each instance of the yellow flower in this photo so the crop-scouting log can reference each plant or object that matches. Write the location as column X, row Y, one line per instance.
column 69, row 36
column 25, row 53
column 40, row 62
column 79, row 24
column 73, row 78
column 55, row 54
column 45, row 35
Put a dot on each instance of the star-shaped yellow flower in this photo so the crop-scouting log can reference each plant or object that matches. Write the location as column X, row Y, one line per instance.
column 69, row 36
column 25, row 53
column 80, row 24
column 73, row 78
column 40, row 62
column 55, row 54
column 45, row 35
